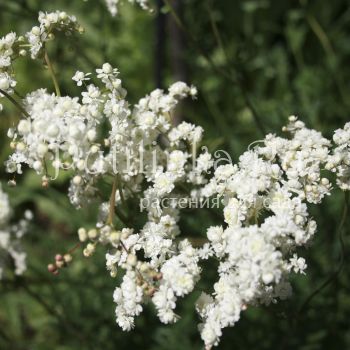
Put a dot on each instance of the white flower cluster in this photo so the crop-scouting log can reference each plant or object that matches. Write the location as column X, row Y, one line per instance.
column 266, row 196
column 9, row 50
column 49, row 24
column 142, row 157
column 112, row 5
column 65, row 131
column 13, row 46
column 150, row 158
column 10, row 237
column 145, row 155
column 339, row 161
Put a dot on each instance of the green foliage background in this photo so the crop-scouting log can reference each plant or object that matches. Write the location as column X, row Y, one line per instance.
column 254, row 63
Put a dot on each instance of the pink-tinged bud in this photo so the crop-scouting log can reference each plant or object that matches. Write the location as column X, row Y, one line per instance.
column 59, row 257
column 51, row 268
column 45, row 184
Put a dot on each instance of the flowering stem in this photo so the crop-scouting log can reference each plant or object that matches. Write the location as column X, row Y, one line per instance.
column 112, row 202
column 52, row 73
column 45, row 167
column 14, row 102
column 72, row 250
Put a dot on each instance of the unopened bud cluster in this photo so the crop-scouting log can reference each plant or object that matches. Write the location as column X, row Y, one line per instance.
column 61, row 261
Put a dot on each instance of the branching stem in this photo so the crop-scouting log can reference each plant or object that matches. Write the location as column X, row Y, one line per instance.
column 15, row 103
column 52, row 73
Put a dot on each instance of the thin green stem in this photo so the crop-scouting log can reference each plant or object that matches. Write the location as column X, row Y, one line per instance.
column 15, row 103
column 217, row 35
column 320, row 34
column 52, row 73
column 112, row 202
column 233, row 79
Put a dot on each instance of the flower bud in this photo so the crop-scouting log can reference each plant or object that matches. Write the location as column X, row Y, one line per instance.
column 92, row 234
column 89, row 250
column 115, row 236
column 82, row 234
column 45, row 182
column 60, row 264
column 51, row 268
column 58, row 257
column 20, row 146
column 77, row 180
column 67, row 258
column 36, row 30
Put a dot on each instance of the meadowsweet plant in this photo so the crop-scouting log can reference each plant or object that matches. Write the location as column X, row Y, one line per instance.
column 141, row 168
column 11, row 252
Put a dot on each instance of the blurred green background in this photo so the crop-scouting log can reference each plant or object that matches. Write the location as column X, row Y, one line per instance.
column 254, row 63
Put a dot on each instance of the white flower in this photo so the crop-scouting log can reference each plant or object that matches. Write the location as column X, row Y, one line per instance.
column 80, row 77
column 7, row 83
column 274, row 181
column 298, row 264
column 49, row 23
column 215, row 234
column 128, row 298
column 164, row 183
